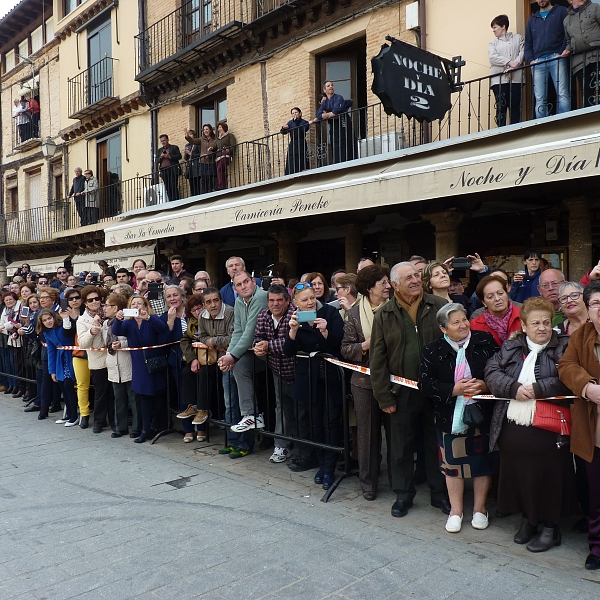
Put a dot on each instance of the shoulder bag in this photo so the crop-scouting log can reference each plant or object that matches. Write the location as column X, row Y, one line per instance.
column 155, row 364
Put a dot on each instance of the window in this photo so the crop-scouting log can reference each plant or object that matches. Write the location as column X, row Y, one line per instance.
column 57, row 182
column 12, row 195
column 24, row 49
column 37, row 39
column 49, row 30
column 108, row 171
column 70, row 6
column 9, row 61
column 212, row 111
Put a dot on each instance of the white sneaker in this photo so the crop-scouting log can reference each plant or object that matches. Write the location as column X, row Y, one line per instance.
column 62, row 421
column 72, row 423
column 249, row 422
column 279, row 455
column 480, row 521
column 454, row 523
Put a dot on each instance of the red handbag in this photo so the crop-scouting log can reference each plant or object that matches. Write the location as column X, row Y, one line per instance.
column 552, row 417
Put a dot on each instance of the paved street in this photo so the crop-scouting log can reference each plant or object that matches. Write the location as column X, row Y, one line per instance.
column 88, row 517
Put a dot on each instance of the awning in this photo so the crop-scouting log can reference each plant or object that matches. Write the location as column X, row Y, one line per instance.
column 123, row 257
column 46, row 265
column 502, row 159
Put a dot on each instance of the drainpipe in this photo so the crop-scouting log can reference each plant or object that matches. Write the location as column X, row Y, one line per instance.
column 423, row 24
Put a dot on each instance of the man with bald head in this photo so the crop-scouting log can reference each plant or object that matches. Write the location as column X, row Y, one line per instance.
column 203, row 276
column 550, row 282
column 401, row 328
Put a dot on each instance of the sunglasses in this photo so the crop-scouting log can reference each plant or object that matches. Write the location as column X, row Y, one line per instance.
column 302, row 286
column 93, row 299
column 74, row 298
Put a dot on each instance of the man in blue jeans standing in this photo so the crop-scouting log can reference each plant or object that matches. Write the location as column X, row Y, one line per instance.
column 545, row 42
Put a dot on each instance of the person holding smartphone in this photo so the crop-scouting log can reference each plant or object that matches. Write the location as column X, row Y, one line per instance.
column 317, row 327
column 525, row 283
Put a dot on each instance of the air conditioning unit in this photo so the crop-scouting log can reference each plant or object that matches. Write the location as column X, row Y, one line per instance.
column 155, row 194
column 380, row 144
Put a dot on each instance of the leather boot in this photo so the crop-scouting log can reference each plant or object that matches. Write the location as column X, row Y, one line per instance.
column 525, row 533
column 549, row 537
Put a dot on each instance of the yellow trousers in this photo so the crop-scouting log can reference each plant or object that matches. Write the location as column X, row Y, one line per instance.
column 82, row 374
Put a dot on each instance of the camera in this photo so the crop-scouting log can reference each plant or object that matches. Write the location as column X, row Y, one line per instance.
column 269, row 273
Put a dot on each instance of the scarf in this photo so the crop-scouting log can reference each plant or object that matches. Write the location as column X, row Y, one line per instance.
column 366, row 314
column 499, row 325
column 461, row 371
column 411, row 309
column 522, row 413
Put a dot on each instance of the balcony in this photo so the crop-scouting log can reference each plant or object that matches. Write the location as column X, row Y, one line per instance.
column 25, row 136
column 194, row 28
column 366, row 132
column 92, row 89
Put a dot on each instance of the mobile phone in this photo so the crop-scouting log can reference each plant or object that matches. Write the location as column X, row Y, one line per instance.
column 304, row 316
column 131, row 312
column 154, row 290
column 64, row 303
column 24, row 312
column 94, row 277
column 461, row 263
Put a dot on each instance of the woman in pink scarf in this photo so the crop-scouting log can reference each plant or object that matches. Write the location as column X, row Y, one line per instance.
column 500, row 317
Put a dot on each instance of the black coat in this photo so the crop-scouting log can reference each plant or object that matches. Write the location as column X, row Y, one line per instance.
column 309, row 339
column 436, row 375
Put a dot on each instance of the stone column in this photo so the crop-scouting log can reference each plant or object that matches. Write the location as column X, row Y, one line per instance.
column 446, row 223
column 287, row 241
column 580, row 237
column 354, row 245
column 212, row 262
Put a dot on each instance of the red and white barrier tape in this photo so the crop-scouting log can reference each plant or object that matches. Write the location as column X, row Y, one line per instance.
column 413, row 384
column 122, row 349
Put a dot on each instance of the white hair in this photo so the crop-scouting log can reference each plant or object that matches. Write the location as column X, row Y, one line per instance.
column 396, row 268
column 231, row 258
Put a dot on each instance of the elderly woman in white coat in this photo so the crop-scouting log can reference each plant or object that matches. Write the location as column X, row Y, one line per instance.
column 506, row 52
column 118, row 365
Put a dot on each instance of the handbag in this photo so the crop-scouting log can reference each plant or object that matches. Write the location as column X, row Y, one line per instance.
column 206, row 356
column 473, row 415
column 33, row 357
column 79, row 353
column 552, row 417
column 155, row 364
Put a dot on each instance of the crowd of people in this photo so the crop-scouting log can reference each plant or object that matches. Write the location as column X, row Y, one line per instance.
column 560, row 45
column 504, row 391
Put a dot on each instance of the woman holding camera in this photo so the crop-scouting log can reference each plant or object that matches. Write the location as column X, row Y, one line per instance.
column 148, row 379
column 316, row 380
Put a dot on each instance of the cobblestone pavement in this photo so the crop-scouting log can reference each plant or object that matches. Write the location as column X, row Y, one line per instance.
column 89, row 517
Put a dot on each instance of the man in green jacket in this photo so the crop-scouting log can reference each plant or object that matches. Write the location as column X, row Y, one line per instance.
column 250, row 301
column 401, row 329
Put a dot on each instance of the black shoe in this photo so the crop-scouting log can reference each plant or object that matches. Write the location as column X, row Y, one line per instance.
column 84, row 422
column 135, row 434
column 42, row 416
column 301, row 464
column 143, row 437
column 327, row 480
column 443, row 504
column 525, row 533
column 501, row 515
column 319, row 477
column 54, row 409
column 97, row 429
column 582, row 526
column 32, row 408
column 549, row 537
column 592, row 562
column 400, row 508
column 114, row 434
column 8, row 391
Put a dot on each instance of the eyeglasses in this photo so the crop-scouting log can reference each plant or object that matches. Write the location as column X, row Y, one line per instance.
column 196, row 308
column 107, row 305
column 571, row 296
column 61, row 272
column 383, row 282
column 44, row 297
column 594, row 304
column 74, row 298
column 93, row 299
column 551, row 284
column 303, row 285
column 341, row 287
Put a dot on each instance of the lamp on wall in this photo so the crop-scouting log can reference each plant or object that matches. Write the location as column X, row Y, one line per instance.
column 48, row 147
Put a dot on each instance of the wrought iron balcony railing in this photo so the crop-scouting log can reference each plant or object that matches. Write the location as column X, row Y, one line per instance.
column 92, row 89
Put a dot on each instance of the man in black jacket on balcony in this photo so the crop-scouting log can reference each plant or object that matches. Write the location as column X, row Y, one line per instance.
column 77, row 191
column 167, row 161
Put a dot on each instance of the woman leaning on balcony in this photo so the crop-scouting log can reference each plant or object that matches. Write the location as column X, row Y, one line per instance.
column 223, row 148
column 582, row 27
column 506, row 52
column 200, row 160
